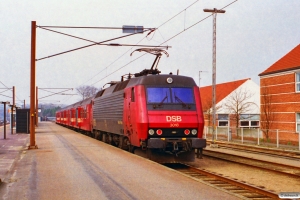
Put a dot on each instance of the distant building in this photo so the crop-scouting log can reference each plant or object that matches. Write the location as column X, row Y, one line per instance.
column 280, row 96
column 229, row 96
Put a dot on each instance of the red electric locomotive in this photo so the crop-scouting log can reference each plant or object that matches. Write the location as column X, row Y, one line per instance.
column 159, row 116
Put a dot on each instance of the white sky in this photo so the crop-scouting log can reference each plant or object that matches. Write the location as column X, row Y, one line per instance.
column 251, row 36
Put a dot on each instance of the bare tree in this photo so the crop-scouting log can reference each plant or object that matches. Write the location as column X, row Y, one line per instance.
column 86, row 91
column 267, row 111
column 238, row 103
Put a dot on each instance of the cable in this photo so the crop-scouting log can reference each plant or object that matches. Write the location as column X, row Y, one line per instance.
column 3, row 84
column 195, row 24
column 5, row 90
column 5, row 95
column 138, row 43
column 169, row 38
column 177, row 14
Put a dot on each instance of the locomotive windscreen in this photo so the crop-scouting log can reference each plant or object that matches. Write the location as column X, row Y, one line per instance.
column 176, row 98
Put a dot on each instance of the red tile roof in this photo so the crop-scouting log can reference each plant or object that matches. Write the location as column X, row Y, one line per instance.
column 222, row 91
column 288, row 62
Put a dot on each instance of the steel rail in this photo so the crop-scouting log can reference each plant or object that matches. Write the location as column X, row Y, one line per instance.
column 289, row 154
column 234, row 187
column 257, row 163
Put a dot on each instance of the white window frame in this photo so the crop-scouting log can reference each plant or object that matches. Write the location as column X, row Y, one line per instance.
column 249, row 119
column 220, row 125
column 298, row 122
column 224, row 118
column 297, row 81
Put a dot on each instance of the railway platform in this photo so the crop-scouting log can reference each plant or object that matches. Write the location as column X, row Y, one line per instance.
column 70, row 165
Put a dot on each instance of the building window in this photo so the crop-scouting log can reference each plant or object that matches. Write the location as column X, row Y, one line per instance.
column 249, row 120
column 298, row 82
column 222, row 120
column 298, row 122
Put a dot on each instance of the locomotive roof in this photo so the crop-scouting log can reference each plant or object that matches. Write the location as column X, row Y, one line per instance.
column 151, row 80
column 178, row 81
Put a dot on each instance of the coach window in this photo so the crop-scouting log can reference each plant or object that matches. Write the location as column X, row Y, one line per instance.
column 298, row 82
column 132, row 95
column 298, row 122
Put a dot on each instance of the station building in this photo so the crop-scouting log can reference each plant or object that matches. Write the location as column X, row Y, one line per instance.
column 280, row 97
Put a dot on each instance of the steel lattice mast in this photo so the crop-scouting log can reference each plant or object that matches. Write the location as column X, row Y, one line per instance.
column 214, row 61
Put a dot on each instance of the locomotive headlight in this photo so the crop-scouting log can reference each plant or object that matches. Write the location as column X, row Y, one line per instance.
column 151, row 131
column 194, row 131
column 169, row 80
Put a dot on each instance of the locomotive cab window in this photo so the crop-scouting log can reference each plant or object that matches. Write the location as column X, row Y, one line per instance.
column 158, row 95
column 170, row 98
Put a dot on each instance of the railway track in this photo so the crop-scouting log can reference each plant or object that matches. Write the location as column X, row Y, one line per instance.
column 287, row 154
column 239, row 189
column 252, row 162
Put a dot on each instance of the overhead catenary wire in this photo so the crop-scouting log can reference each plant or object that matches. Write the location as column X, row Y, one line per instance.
column 5, row 95
column 157, row 29
column 185, row 29
column 4, row 84
column 55, row 93
column 7, row 88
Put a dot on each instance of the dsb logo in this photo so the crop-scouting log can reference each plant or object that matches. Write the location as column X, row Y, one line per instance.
column 173, row 118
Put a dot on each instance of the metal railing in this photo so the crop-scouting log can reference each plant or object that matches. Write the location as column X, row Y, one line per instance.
column 276, row 137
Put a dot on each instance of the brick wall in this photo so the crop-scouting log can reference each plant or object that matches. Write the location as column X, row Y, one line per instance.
column 285, row 103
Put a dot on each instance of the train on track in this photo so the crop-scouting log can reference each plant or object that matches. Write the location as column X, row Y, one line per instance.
column 158, row 116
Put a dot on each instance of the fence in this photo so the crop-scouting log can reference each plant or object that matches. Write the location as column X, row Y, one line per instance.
column 276, row 138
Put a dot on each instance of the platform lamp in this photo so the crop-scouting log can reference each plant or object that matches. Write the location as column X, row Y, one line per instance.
column 5, row 103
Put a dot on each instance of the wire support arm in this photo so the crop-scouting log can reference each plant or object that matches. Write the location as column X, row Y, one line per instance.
column 82, row 47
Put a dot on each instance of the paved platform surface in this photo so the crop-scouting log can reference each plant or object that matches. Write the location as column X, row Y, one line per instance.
column 10, row 149
column 69, row 165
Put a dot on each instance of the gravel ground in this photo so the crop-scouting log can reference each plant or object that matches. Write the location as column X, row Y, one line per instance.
column 270, row 181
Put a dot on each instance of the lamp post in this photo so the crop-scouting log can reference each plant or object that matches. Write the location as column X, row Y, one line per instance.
column 4, row 103
column 214, row 13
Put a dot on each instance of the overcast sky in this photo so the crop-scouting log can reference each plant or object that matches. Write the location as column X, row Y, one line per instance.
column 251, row 36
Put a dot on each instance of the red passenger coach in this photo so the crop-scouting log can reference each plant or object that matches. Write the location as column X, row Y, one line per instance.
column 85, row 115
column 77, row 116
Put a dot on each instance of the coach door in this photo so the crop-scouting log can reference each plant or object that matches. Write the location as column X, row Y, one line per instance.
column 76, row 116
